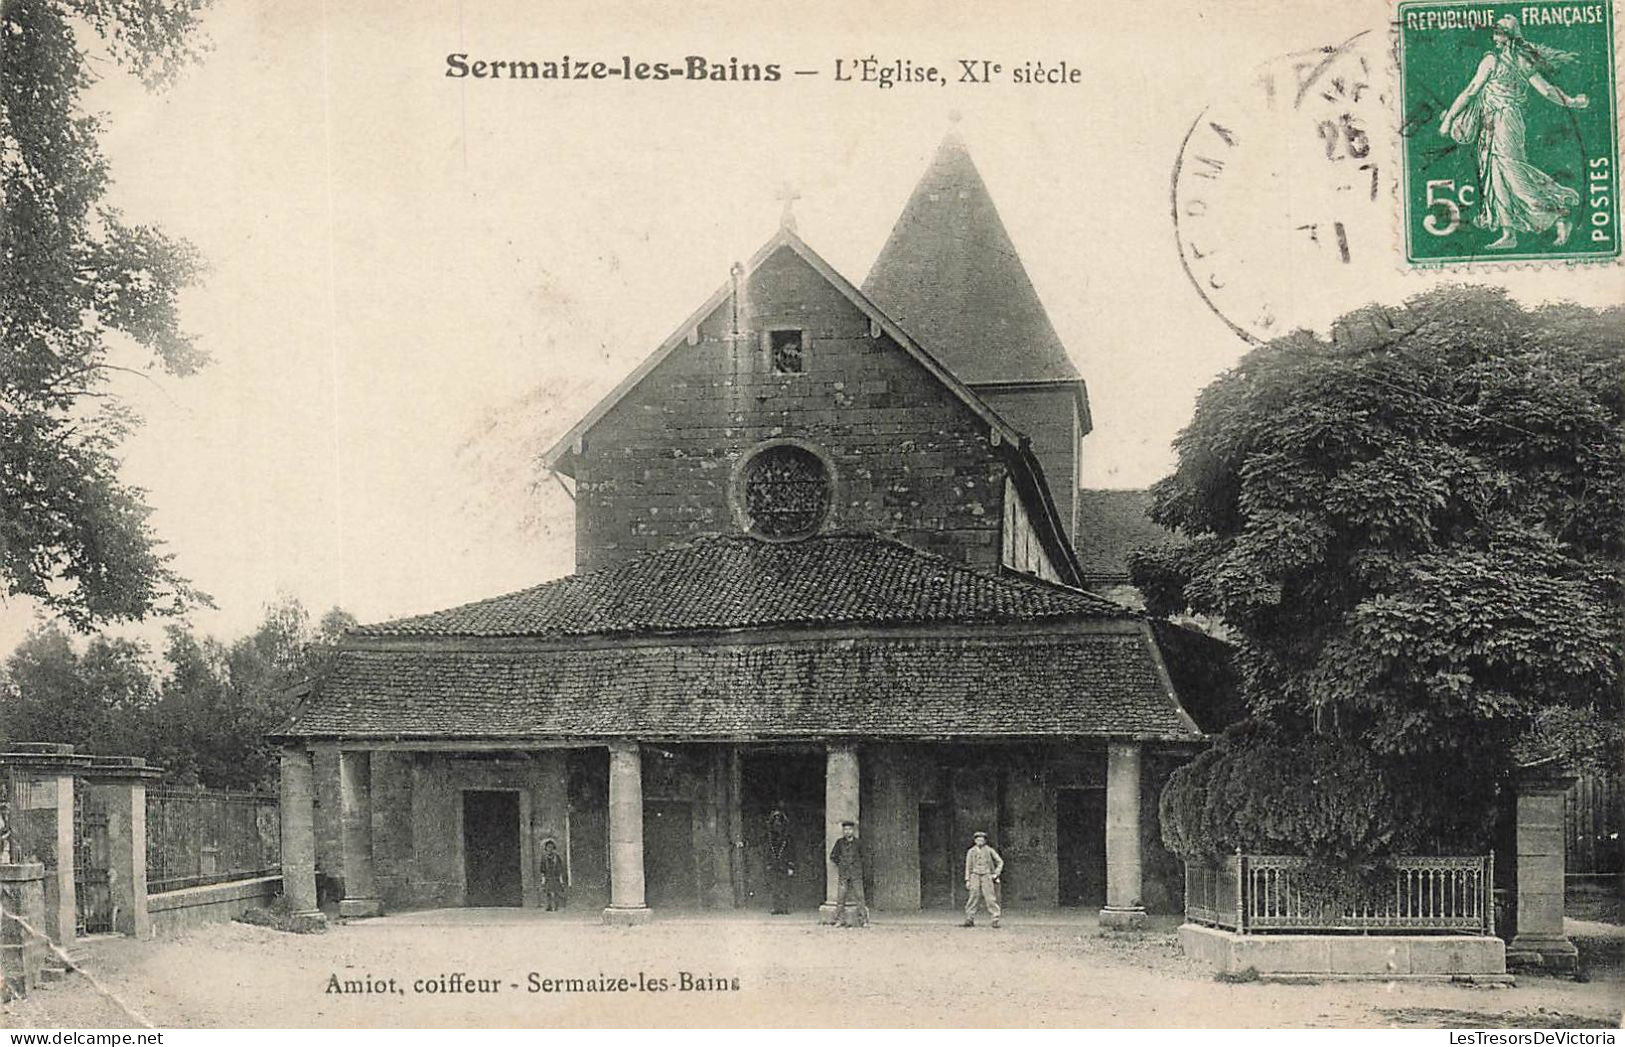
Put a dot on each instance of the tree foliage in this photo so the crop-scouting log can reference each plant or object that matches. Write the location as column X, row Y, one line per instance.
column 1414, row 531
column 80, row 287
column 201, row 711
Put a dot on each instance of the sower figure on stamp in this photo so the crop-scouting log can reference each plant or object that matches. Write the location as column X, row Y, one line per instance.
column 1517, row 197
column 780, row 859
column 553, row 875
column 847, row 857
column 983, row 867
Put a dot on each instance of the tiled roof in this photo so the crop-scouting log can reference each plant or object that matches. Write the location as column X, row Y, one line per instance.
column 1089, row 682
column 1112, row 524
column 734, row 582
column 950, row 276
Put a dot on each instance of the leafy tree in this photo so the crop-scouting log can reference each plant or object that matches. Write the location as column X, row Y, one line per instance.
column 79, row 287
column 102, row 700
column 220, row 700
column 1414, row 532
column 202, row 715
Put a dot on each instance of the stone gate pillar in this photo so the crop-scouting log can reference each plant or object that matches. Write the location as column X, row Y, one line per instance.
column 1541, row 846
column 119, row 785
column 1125, row 908
column 840, row 804
column 355, row 798
column 298, row 802
column 41, row 778
column 626, row 903
column 22, row 911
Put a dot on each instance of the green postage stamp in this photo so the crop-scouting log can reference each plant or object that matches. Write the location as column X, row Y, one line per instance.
column 1509, row 131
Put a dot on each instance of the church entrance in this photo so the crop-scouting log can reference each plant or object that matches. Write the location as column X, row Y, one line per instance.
column 794, row 780
column 937, row 880
column 1080, row 846
column 668, row 855
column 491, row 847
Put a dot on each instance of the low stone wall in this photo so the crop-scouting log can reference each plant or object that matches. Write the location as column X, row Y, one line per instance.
column 1355, row 956
column 176, row 911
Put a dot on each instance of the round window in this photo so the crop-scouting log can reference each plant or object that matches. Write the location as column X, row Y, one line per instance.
column 787, row 491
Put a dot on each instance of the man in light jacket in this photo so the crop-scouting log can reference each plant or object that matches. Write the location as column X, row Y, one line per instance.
column 982, row 868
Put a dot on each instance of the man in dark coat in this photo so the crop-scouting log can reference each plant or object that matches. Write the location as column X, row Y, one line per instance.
column 553, row 875
column 847, row 857
column 780, row 859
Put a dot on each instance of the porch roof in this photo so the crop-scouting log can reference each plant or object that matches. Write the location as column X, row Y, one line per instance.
column 1101, row 682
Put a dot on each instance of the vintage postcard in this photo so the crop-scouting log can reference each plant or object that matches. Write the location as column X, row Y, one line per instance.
column 822, row 516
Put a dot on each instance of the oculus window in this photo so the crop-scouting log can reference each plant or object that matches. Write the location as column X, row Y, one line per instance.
column 786, row 492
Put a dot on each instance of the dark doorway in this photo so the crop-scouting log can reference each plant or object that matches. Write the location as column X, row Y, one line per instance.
column 1080, row 845
column 794, row 779
column 668, row 855
column 936, row 857
column 491, row 847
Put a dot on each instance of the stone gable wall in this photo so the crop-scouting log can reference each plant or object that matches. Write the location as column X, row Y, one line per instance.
column 910, row 459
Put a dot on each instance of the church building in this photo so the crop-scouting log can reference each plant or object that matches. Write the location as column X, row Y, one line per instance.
column 827, row 561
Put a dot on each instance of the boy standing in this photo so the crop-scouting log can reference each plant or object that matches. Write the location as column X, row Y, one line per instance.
column 553, row 878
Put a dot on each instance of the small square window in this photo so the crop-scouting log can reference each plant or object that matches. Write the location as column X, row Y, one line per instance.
column 786, row 347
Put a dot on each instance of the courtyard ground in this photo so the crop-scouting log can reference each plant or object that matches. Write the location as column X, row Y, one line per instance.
column 1052, row 969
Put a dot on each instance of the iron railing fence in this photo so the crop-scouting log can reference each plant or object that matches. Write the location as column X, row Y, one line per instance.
column 203, row 836
column 1268, row 893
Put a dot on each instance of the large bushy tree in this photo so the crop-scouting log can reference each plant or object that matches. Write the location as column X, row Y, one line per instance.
column 1414, row 531
column 81, row 288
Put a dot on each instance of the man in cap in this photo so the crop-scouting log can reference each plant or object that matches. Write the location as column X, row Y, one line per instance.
column 982, row 869
column 847, row 857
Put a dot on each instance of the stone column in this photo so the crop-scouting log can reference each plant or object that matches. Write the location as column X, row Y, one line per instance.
column 61, row 890
column 1540, row 941
column 626, row 835
column 299, row 839
column 355, row 798
column 840, row 804
column 119, row 784
column 22, row 907
column 1124, row 908
column 41, row 776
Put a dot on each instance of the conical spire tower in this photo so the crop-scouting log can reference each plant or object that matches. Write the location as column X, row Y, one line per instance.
column 951, row 277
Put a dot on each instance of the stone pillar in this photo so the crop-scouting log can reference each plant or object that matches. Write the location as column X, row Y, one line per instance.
column 1540, row 941
column 119, row 785
column 840, row 805
column 299, row 839
column 355, row 797
column 22, row 907
column 626, row 835
column 41, row 777
column 1124, row 908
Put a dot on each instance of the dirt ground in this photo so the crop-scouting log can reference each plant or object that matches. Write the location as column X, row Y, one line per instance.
column 919, row 971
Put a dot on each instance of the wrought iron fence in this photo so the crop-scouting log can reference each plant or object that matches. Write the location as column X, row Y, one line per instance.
column 203, row 836
column 1263, row 893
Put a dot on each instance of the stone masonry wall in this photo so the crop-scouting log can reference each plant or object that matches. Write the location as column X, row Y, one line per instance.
column 909, row 458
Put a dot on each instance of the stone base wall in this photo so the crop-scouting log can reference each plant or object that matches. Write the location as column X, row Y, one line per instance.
column 1354, row 956
column 174, row 912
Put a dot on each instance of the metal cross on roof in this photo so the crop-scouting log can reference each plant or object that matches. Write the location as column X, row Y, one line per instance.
column 787, row 192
